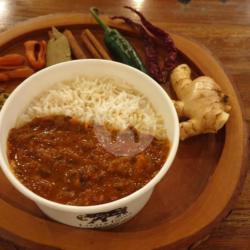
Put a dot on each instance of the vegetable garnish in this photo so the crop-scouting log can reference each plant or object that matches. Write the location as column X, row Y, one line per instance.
column 36, row 53
column 118, row 46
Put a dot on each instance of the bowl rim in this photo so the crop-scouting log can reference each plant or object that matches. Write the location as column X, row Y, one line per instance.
column 5, row 166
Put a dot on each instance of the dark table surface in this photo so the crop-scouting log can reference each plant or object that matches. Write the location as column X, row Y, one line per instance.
column 222, row 26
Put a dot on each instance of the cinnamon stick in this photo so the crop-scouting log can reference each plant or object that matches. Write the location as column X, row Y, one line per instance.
column 90, row 46
column 74, row 45
column 94, row 46
column 97, row 44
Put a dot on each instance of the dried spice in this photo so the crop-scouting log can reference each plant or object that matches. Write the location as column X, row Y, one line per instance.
column 36, row 53
column 74, row 45
column 93, row 45
column 149, row 46
column 58, row 49
column 171, row 58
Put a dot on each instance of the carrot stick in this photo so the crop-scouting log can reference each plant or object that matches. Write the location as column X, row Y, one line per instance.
column 12, row 60
column 19, row 73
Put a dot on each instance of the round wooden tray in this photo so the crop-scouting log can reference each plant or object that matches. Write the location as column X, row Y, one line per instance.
column 195, row 195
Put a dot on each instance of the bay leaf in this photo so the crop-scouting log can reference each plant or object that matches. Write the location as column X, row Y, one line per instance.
column 58, row 49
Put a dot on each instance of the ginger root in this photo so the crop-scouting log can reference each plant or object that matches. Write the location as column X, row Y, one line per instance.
column 200, row 100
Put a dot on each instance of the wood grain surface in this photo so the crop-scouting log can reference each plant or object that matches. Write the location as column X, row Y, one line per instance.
column 223, row 27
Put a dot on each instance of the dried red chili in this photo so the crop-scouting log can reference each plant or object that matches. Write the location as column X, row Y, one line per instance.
column 171, row 59
column 151, row 52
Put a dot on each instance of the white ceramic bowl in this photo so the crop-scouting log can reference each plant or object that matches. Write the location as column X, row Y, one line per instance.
column 104, row 215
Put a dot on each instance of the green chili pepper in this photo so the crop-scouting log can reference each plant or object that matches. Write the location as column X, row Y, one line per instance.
column 117, row 45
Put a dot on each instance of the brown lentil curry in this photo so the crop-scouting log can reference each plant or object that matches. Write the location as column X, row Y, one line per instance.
column 61, row 159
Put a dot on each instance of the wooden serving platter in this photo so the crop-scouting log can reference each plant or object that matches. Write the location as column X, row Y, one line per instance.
column 197, row 192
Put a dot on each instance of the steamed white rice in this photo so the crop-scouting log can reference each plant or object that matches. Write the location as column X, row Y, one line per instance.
column 104, row 101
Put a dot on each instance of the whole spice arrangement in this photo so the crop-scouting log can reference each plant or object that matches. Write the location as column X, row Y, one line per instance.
column 206, row 106
column 118, row 46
